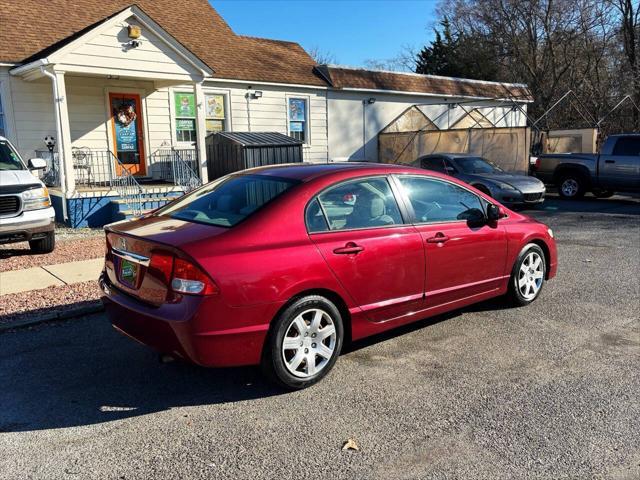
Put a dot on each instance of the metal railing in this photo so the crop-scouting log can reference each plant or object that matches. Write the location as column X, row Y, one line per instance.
column 51, row 173
column 127, row 186
column 178, row 166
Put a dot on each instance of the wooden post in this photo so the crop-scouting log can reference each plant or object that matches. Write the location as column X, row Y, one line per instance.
column 66, row 159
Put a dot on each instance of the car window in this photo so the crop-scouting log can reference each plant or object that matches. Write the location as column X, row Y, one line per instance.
column 627, row 146
column 473, row 165
column 9, row 160
column 433, row 163
column 364, row 203
column 229, row 200
column 439, row 201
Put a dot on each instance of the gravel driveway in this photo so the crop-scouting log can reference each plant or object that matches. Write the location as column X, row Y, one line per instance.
column 547, row 391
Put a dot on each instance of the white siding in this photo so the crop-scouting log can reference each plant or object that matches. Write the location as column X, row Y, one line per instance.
column 109, row 50
column 269, row 113
column 33, row 114
column 354, row 123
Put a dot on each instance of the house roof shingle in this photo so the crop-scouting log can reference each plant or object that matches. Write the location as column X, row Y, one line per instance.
column 349, row 77
column 30, row 27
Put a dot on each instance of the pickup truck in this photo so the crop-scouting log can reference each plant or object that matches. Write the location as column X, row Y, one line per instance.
column 26, row 213
column 615, row 169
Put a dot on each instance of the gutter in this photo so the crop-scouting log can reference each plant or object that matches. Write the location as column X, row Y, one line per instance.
column 434, row 95
column 56, row 107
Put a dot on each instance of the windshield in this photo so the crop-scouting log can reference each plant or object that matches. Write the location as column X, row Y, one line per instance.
column 476, row 165
column 9, row 159
column 229, row 200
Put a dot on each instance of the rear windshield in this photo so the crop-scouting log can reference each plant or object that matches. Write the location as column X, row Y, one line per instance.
column 476, row 165
column 9, row 159
column 229, row 200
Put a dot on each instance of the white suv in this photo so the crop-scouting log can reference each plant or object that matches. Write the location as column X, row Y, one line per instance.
column 26, row 213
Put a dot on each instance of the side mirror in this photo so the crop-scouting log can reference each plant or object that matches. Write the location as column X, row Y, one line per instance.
column 493, row 213
column 450, row 170
column 37, row 164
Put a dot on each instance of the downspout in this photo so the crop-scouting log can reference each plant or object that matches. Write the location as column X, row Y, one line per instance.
column 56, row 106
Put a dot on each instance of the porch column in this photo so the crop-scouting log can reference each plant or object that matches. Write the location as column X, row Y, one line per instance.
column 66, row 159
column 201, row 131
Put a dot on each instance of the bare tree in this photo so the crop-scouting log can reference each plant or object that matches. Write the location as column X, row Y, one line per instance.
column 404, row 61
column 322, row 57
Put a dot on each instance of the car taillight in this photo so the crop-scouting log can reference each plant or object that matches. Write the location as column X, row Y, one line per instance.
column 161, row 265
column 190, row 279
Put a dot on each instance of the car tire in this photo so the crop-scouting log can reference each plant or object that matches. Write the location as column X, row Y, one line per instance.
column 483, row 189
column 572, row 185
column 289, row 365
column 43, row 245
column 527, row 275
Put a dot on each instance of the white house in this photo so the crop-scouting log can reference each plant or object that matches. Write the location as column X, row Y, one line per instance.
column 130, row 91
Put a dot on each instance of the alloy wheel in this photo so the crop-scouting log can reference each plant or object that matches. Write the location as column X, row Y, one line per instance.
column 570, row 187
column 309, row 343
column 530, row 276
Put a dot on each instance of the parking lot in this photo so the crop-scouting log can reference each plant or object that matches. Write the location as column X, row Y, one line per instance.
column 546, row 391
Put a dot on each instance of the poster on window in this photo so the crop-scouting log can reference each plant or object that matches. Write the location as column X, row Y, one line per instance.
column 215, row 106
column 185, row 105
column 185, row 124
column 296, row 127
column 124, row 116
column 296, row 110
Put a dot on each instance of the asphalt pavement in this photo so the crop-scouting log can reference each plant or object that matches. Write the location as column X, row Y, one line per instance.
column 551, row 390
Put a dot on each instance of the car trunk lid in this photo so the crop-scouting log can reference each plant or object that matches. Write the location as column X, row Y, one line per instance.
column 140, row 254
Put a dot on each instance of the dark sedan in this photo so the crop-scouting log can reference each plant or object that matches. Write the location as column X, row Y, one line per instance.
column 507, row 188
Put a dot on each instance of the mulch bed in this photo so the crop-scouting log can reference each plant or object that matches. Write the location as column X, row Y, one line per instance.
column 50, row 302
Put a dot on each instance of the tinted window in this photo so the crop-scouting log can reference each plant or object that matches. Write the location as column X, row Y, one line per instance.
column 316, row 221
column 229, row 200
column 437, row 201
column 9, row 160
column 434, row 163
column 628, row 146
column 476, row 165
column 365, row 203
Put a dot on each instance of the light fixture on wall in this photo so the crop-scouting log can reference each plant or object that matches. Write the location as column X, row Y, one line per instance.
column 134, row 31
column 256, row 94
column 371, row 101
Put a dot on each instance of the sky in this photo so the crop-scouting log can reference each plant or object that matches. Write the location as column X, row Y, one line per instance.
column 352, row 31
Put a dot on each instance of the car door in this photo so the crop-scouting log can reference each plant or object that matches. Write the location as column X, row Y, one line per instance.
column 621, row 169
column 465, row 256
column 379, row 260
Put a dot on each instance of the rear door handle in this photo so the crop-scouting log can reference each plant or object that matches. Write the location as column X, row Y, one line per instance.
column 349, row 248
column 439, row 238
column 609, row 161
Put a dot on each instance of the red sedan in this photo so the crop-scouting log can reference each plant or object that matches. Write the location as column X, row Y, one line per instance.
column 281, row 265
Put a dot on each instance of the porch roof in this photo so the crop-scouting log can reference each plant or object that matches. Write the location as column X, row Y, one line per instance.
column 45, row 26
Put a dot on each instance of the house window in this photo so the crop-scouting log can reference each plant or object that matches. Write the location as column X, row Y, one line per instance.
column 215, row 113
column 185, row 111
column 298, row 127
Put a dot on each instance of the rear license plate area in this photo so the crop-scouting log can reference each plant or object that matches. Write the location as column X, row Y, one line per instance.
column 128, row 273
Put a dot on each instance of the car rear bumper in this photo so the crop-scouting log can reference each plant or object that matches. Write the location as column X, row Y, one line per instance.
column 201, row 330
column 27, row 225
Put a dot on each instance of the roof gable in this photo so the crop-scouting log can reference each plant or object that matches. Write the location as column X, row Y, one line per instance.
column 193, row 23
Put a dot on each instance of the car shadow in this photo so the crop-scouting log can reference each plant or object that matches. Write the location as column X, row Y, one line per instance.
column 84, row 373
column 623, row 205
column 6, row 252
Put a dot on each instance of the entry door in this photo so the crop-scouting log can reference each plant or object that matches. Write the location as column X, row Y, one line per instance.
column 127, row 130
column 376, row 258
column 463, row 257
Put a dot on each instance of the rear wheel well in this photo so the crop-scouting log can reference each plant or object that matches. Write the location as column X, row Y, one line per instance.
column 334, row 298
column 579, row 171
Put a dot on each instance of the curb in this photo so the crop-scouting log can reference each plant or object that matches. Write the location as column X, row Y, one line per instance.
column 94, row 307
